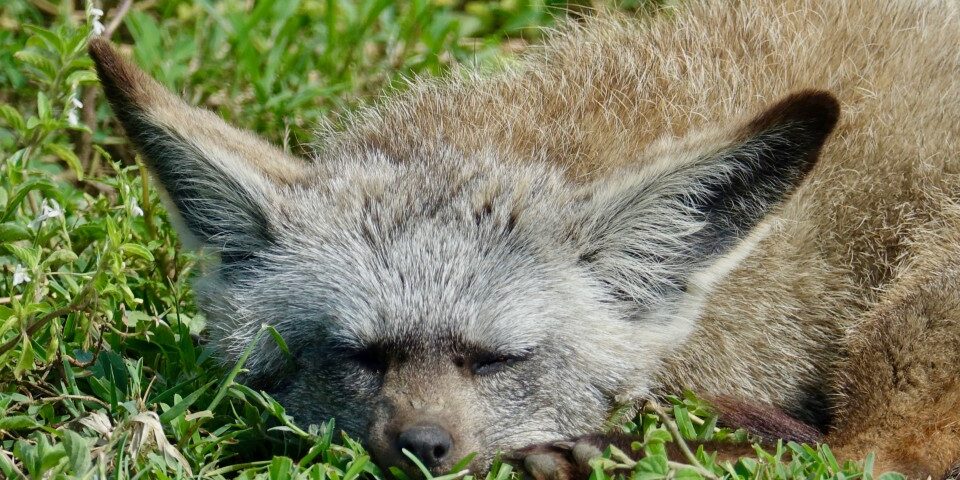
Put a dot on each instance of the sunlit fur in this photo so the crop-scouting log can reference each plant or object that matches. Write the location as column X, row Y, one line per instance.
column 543, row 208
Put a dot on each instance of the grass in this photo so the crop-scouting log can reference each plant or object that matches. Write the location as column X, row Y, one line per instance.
column 103, row 368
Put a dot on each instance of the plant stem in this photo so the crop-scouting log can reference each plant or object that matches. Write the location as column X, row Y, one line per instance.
column 668, row 422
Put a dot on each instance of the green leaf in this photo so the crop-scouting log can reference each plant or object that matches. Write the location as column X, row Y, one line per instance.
column 43, row 106
column 137, row 251
column 232, row 375
column 684, row 425
column 892, row 476
column 78, row 452
column 659, row 436
column 82, row 77
column 277, row 338
column 52, row 40
column 687, row 474
column 708, row 429
column 12, row 423
column 280, row 468
column 463, row 463
column 398, row 474
column 183, row 405
column 38, row 61
column 12, row 232
column 12, row 117
column 356, row 467
column 25, row 362
column 830, row 459
column 68, row 156
column 416, row 461
column 60, row 257
column 43, row 185
column 30, row 256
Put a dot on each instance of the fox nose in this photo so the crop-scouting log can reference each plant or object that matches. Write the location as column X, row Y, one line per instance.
column 428, row 441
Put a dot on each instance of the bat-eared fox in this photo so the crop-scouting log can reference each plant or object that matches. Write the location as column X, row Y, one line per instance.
column 757, row 201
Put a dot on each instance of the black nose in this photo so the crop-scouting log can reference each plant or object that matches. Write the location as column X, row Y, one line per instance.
column 428, row 441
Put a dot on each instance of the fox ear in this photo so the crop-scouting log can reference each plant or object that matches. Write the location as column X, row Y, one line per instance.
column 650, row 231
column 219, row 180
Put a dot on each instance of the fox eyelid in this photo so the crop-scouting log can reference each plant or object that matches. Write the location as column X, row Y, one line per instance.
column 371, row 363
column 496, row 363
column 371, row 359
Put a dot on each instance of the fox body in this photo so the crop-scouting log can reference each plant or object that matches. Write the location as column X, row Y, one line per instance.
column 490, row 261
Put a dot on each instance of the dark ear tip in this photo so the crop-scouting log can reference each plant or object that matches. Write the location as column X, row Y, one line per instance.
column 817, row 111
column 99, row 48
column 123, row 82
column 106, row 58
column 820, row 106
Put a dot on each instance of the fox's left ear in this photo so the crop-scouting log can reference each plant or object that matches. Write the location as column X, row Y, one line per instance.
column 648, row 232
column 219, row 181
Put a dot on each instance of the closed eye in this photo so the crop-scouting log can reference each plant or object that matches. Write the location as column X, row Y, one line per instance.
column 496, row 363
column 370, row 359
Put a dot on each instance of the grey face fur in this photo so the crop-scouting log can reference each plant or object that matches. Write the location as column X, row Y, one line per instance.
column 400, row 302
column 488, row 297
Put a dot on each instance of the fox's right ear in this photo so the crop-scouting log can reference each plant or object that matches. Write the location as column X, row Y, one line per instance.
column 220, row 181
column 677, row 223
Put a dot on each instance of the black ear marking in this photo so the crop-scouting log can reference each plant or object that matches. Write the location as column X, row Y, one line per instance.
column 219, row 208
column 649, row 231
column 213, row 205
column 775, row 152
column 816, row 112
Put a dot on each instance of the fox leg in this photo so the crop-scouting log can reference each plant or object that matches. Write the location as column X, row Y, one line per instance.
column 569, row 460
column 899, row 388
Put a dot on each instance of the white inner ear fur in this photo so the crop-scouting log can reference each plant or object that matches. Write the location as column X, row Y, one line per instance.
column 681, row 316
column 675, row 321
column 701, row 283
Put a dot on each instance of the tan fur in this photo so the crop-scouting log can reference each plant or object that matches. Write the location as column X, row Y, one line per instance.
column 845, row 265
column 238, row 150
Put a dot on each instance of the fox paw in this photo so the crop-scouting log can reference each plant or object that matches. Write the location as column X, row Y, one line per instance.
column 567, row 460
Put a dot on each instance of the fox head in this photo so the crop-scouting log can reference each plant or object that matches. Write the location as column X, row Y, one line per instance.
column 463, row 301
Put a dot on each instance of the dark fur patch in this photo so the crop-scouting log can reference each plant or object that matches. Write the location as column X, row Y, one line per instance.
column 485, row 211
column 233, row 224
column 765, row 421
column 778, row 149
column 814, row 407
column 125, row 85
column 954, row 473
column 815, row 111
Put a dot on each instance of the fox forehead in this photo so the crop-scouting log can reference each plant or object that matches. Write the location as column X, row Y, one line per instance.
column 429, row 286
column 471, row 256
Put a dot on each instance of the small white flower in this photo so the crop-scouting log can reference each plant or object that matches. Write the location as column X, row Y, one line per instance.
column 94, row 15
column 20, row 275
column 72, row 105
column 48, row 209
column 135, row 209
